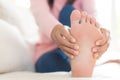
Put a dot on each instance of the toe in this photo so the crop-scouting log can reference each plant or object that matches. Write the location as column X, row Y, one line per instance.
column 75, row 17
column 93, row 21
column 88, row 19
column 97, row 25
column 83, row 16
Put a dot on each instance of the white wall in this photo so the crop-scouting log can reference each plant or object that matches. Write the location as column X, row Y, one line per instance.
column 106, row 15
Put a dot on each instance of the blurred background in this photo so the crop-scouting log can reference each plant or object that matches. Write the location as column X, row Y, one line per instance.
column 107, row 14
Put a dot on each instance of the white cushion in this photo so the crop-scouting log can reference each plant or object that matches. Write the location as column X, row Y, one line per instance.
column 15, row 54
column 18, row 36
column 22, row 18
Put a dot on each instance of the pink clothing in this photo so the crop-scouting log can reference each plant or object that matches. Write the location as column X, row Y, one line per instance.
column 46, row 19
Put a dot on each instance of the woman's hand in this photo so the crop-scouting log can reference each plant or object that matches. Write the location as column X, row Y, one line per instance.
column 65, row 41
column 102, row 45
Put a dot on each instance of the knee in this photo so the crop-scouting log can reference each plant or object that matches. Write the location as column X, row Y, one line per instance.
column 64, row 16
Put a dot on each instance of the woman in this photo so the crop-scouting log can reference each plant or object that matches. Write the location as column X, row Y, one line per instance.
column 48, row 14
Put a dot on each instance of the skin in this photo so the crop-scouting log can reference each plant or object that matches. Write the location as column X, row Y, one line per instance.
column 86, row 32
column 70, row 46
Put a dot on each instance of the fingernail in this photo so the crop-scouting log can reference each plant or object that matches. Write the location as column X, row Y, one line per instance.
column 76, row 52
column 76, row 47
column 73, row 40
column 94, row 50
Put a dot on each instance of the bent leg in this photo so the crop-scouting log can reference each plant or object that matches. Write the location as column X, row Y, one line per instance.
column 52, row 62
column 64, row 16
column 56, row 60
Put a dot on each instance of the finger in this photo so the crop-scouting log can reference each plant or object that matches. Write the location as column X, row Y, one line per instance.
column 61, row 41
column 55, row 38
column 96, row 55
column 69, row 50
column 66, row 34
column 68, row 54
column 55, row 32
column 101, row 49
column 105, row 39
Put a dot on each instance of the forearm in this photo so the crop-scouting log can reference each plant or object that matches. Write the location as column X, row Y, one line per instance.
column 45, row 20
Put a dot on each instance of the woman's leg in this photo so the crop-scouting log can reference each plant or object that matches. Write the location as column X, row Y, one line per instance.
column 52, row 62
column 64, row 16
column 56, row 60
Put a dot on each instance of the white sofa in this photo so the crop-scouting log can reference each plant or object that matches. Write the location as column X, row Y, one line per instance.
column 18, row 36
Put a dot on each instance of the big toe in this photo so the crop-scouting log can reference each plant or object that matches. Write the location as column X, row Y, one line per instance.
column 75, row 17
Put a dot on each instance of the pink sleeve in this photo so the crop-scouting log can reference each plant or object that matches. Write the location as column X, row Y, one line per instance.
column 45, row 20
column 89, row 6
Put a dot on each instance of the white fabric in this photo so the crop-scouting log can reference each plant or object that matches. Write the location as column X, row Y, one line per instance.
column 22, row 18
column 18, row 36
column 104, row 72
column 15, row 54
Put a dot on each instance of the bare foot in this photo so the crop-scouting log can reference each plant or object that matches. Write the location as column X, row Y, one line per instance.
column 85, row 29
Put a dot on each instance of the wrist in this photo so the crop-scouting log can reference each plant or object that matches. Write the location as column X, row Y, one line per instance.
column 67, row 28
column 55, row 29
